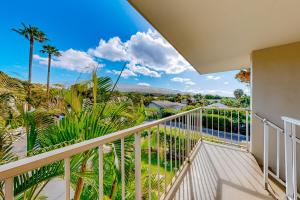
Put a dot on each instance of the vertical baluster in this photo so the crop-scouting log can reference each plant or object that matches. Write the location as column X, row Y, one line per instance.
column 247, row 128
column 206, row 111
column 138, row 177
column 192, row 129
column 189, row 134
column 100, row 172
column 277, row 152
column 185, row 135
column 67, row 177
column 175, row 136
column 170, row 147
column 123, row 167
column 238, row 125
column 201, row 129
column 198, row 124
column 149, row 164
column 158, row 164
column 266, row 153
column 179, row 142
column 195, row 126
column 165, row 155
column 197, row 116
column 231, row 125
column 212, row 122
column 224, row 123
column 294, row 160
column 9, row 188
column 218, row 123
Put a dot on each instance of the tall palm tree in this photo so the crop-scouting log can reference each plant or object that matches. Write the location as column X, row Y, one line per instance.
column 50, row 50
column 32, row 34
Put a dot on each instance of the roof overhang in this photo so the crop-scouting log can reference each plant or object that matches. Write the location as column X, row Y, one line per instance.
column 218, row 36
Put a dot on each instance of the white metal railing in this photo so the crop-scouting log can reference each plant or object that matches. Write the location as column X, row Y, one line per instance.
column 177, row 137
column 291, row 142
column 266, row 133
column 228, row 125
column 290, row 149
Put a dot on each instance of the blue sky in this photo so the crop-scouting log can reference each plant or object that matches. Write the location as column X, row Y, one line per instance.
column 106, row 34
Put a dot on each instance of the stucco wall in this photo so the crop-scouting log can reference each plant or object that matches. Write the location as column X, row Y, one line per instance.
column 275, row 93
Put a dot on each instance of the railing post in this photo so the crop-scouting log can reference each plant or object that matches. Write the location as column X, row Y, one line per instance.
column 288, row 160
column 9, row 188
column 138, row 185
column 266, row 153
column 67, row 177
column 100, row 168
column 294, row 161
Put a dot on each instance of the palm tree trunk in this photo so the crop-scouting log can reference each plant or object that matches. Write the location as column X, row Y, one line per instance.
column 48, row 76
column 80, row 182
column 113, row 188
column 30, row 69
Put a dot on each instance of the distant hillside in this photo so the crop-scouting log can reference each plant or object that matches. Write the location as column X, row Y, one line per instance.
column 146, row 89
column 11, row 85
column 17, row 89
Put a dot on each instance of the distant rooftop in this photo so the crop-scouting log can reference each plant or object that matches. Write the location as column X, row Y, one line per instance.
column 217, row 105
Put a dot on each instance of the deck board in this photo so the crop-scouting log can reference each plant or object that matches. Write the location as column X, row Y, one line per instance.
column 221, row 172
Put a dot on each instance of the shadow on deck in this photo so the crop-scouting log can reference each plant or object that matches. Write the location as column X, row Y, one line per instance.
column 222, row 172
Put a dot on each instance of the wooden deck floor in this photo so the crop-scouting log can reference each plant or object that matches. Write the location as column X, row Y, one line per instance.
column 221, row 172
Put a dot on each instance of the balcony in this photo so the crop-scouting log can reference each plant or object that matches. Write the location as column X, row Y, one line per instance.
column 196, row 154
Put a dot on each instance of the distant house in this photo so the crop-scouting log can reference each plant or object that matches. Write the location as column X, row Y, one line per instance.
column 217, row 105
column 166, row 105
column 188, row 101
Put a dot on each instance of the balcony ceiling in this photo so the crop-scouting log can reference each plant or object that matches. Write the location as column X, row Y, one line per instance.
column 219, row 35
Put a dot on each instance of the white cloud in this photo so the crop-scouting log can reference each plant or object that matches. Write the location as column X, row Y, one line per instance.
column 125, row 74
column 186, row 81
column 148, row 51
column 113, row 50
column 144, row 84
column 143, row 70
column 72, row 60
column 226, row 83
column 211, row 77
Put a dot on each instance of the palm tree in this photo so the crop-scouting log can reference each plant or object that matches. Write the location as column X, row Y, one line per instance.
column 50, row 50
column 32, row 34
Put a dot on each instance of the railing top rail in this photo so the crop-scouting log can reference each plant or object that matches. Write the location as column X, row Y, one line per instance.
column 291, row 120
column 268, row 122
column 30, row 163
column 229, row 108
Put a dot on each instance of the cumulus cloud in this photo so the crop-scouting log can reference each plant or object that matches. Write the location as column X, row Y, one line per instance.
column 226, row 83
column 144, row 84
column 143, row 70
column 113, row 50
column 125, row 74
column 147, row 53
column 186, row 81
column 211, row 77
column 72, row 60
